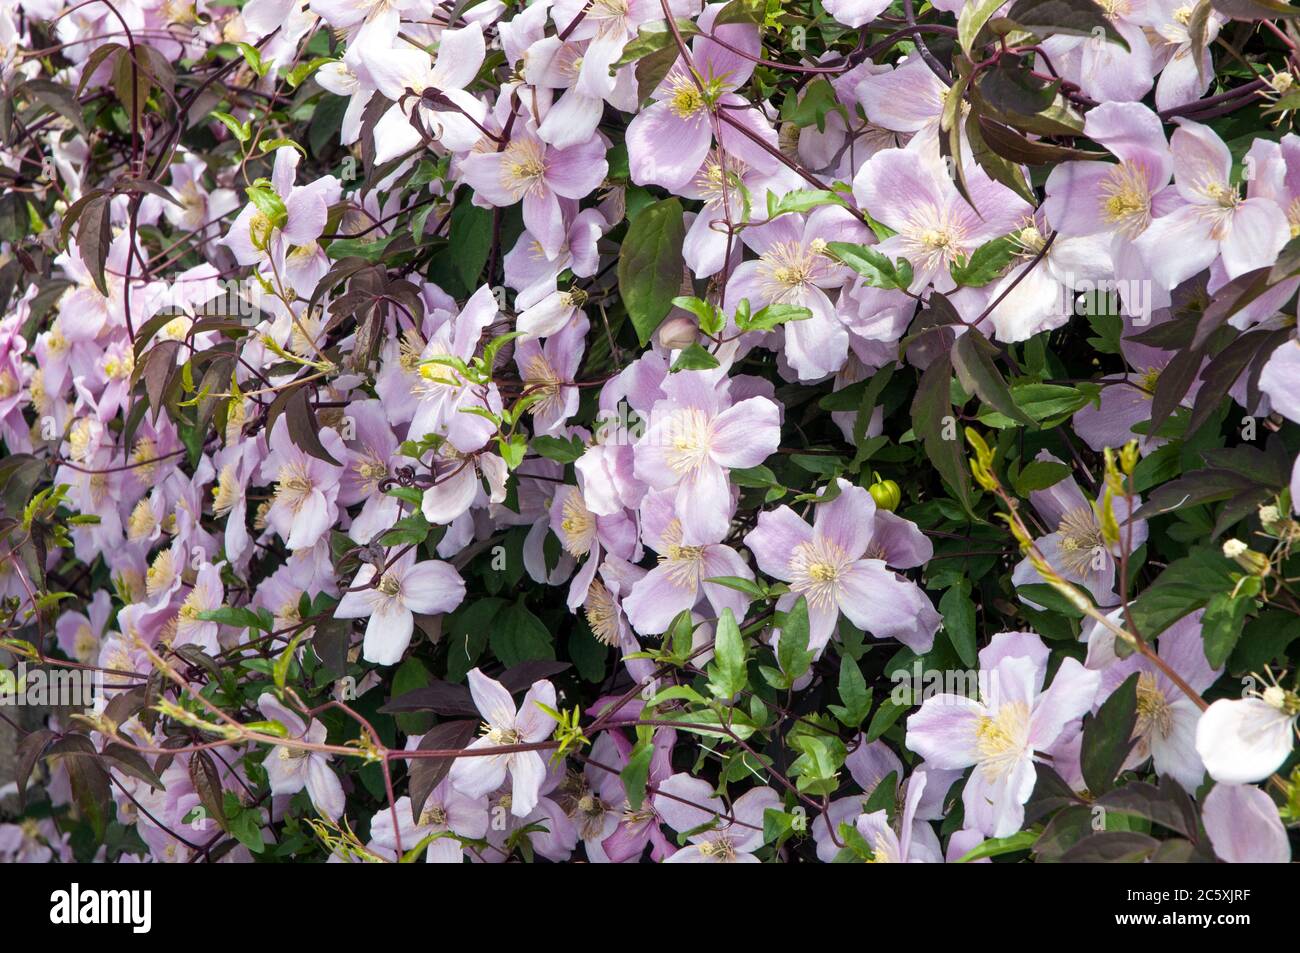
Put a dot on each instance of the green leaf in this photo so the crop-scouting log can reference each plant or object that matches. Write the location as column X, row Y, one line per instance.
column 518, row 636
column 1041, row 402
column 635, row 772
column 997, row 846
column 471, row 238
column 815, row 101
column 959, row 621
column 650, row 265
column 710, row 316
column 242, row 131
column 410, row 675
column 1186, row 585
column 589, row 654
column 1039, row 475
column 558, row 449
column 513, row 450
column 368, row 249
column 694, row 358
column 986, row 263
column 1221, row 625
column 253, row 57
column 854, row 693
column 885, row 716
column 792, row 647
column 802, row 200
column 246, row 827
column 740, row 584
column 655, row 37
column 727, row 672
column 240, row 618
column 871, row 264
column 773, row 316
column 269, row 203
column 972, row 20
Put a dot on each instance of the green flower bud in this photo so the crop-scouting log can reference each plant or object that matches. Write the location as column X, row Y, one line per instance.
column 886, row 493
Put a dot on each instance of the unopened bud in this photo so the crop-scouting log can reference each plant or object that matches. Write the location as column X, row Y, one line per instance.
column 679, row 332
column 886, row 493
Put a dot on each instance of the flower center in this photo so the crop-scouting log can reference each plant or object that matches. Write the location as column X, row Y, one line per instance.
column 1154, row 712
column 226, row 492
column 294, row 487
column 578, row 525
column 433, row 816
column 721, row 849
column 1081, row 541
column 501, row 736
column 371, row 470
column 1126, row 199
column 689, row 438
column 789, row 267
column 160, row 574
column 815, row 571
column 523, row 167
column 1003, row 736
column 602, row 613
column 684, row 97
column 142, row 522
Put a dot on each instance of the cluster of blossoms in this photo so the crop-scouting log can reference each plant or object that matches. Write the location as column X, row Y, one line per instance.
column 750, row 431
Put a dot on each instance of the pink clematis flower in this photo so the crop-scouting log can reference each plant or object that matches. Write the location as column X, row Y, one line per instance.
column 446, row 812
column 668, row 141
column 1167, row 717
column 304, row 505
column 889, row 846
column 999, row 733
column 369, row 462
column 443, row 396
column 539, row 175
column 636, row 829
column 1106, row 70
column 856, row 12
column 794, row 268
column 396, row 70
column 506, row 725
column 207, row 593
column 1116, row 199
column 608, row 25
column 1075, row 547
column 838, row 565
column 290, row 770
column 1037, row 294
column 679, row 581
column 1215, row 220
column 1185, row 74
column 548, row 370
column 936, row 226
column 690, row 443
column 405, row 587
column 1125, row 399
column 583, row 533
column 686, row 803
column 253, row 235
